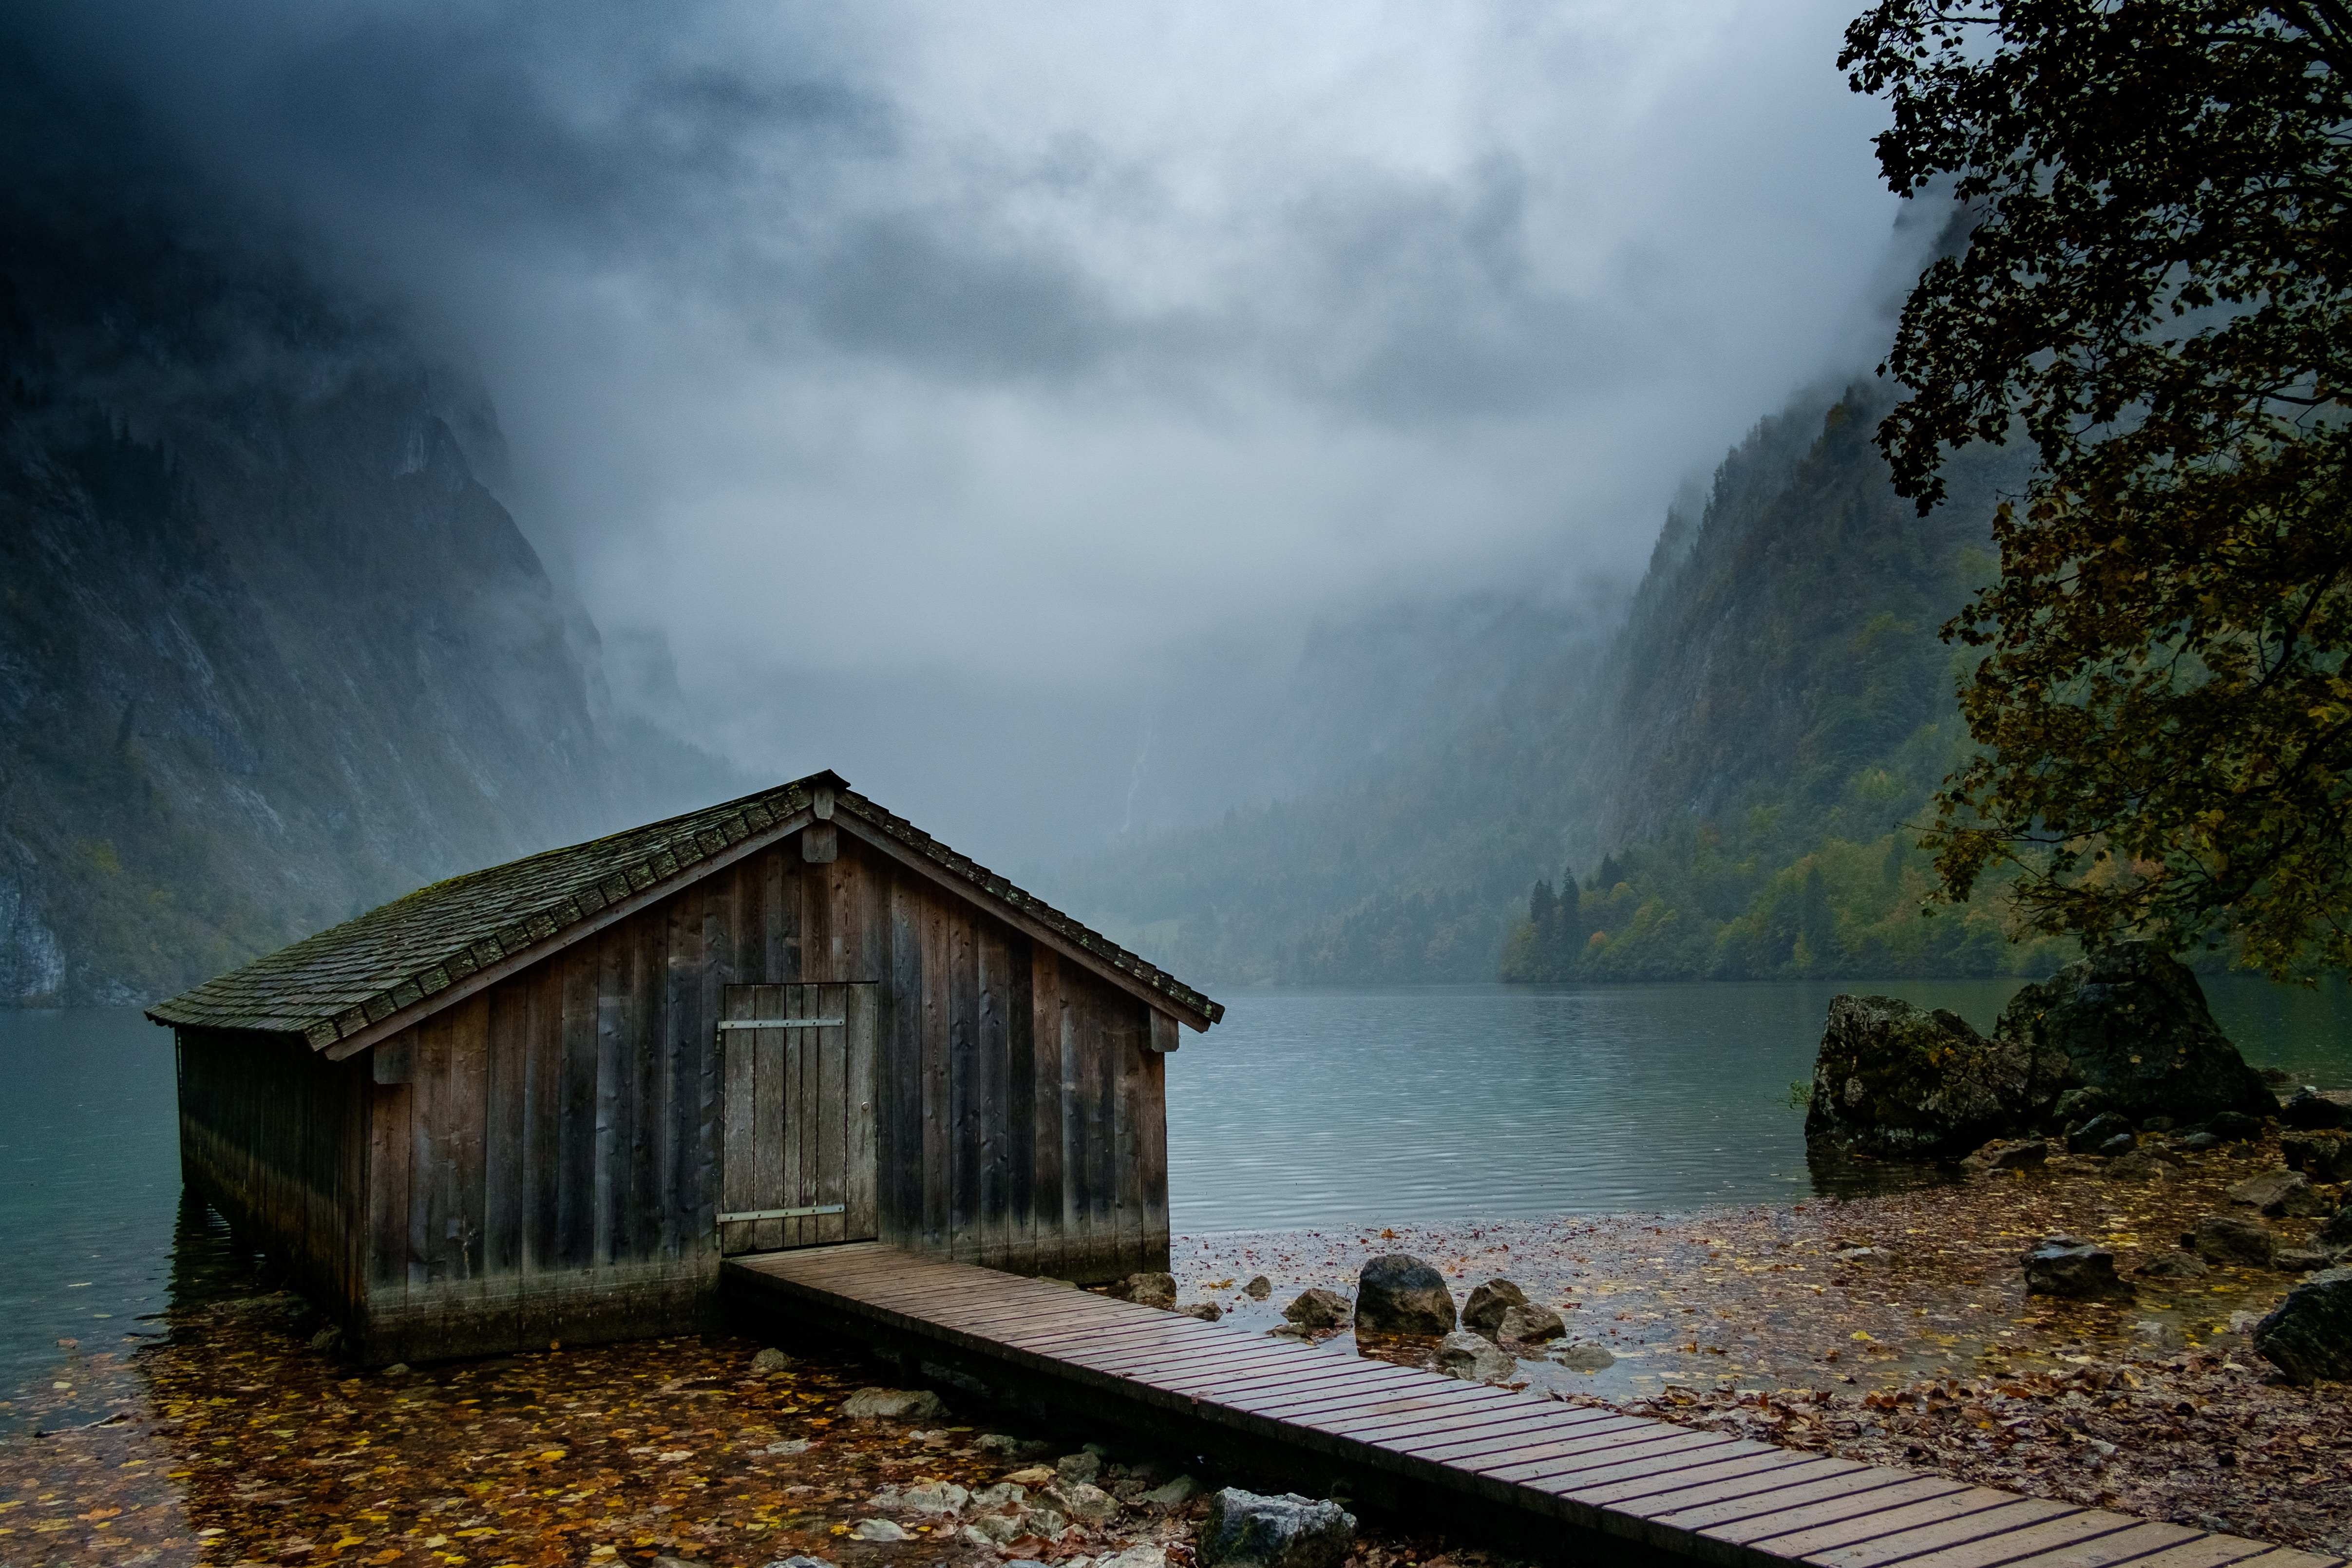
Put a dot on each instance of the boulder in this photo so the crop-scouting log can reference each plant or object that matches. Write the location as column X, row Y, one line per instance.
column 1399, row 1293
column 1258, row 1289
column 2140, row 1164
column 1147, row 1290
column 1470, row 1358
column 2097, row 1130
column 895, row 1405
column 1011, row 1447
column 2308, row 1337
column 1141, row 1555
column 2234, row 1126
column 2321, row 1155
column 1175, row 1494
column 2307, row 1112
column 1999, row 1156
column 1483, row 1312
column 1585, row 1355
column 2286, row 1192
column 2234, row 1238
column 2067, row 1266
column 2132, row 1023
column 1285, row 1532
column 1896, row 1081
column 1534, row 1323
column 2304, row 1260
column 2174, row 1266
column 1081, row 1500
column 1321, row 1309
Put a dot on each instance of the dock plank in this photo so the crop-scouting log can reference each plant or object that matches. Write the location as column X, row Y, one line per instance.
column 1674, row 1492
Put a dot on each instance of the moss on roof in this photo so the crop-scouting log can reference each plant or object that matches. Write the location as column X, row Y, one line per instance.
column 341, row 981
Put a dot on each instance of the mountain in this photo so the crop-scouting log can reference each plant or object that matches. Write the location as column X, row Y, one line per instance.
column 1740, row 765
column 271, row 650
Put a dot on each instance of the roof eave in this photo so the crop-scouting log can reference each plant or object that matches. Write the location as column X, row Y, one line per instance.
column 617, row 910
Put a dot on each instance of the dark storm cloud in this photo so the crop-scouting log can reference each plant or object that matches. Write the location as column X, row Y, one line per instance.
column 1105, row 335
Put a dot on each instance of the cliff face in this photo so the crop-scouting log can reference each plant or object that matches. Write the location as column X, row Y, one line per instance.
column 270, row 651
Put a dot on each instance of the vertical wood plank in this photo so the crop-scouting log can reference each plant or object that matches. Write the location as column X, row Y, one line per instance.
column 898, row 1073
column 938, row 1142
column 738, row 1157
column 801, row 1049
column 1151, row 1159
column 991, row 1097
column 782, row 894
column 611, row 1093
column 723, row 945
column 1131, row 1029
column 1020, row 1108
column 578, row 1115
column 965, row 1085
column 466, row 1118
column 767, row 1186
column 390, row 1140
column 428, row 1171
column 1097, row 1087
column 1052, row 1130
column 639, row 1226
column 832, row 1113
column 542, row 998
column 817, row 922
column 861, row 1004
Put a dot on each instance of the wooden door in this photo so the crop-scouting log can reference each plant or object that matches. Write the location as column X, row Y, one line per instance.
column 798, row 1165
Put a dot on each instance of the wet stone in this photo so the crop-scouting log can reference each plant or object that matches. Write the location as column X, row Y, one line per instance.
column 1483, row 1312
column 895, row 1405
column 1534, row 1323
column 2234, row 1238
column 2306, row 1110
column 2065, row 1266
column 1319, row 1308
column 1258, row 1289
column 1250, row 1531
column 2286, row 1193
column 2308, row 1337
column 1399, row 1293
column 1147, row 1290
column 1470, row 1358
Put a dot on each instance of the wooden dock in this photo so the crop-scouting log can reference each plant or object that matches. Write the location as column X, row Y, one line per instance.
column 1570, row 1482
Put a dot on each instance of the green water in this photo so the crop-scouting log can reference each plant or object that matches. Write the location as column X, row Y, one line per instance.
column 1303, row 1108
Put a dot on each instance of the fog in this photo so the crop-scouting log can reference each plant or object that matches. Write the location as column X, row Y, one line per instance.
column 988, row 402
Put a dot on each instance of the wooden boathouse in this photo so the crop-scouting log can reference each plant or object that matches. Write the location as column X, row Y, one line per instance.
column 542, row 1102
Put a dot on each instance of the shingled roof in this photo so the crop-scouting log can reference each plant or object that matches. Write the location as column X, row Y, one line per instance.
column 342, row 983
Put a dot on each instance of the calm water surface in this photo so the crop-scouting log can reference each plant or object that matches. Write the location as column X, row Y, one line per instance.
column 1313, row 1107
column 1303, row 1108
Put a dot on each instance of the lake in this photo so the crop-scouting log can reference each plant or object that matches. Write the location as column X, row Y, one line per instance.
column 1303, row 1108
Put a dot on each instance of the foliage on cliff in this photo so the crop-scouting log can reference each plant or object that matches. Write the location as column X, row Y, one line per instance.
column 2156, row 293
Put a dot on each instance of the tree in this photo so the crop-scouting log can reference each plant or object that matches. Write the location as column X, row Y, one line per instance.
column 2156, row 290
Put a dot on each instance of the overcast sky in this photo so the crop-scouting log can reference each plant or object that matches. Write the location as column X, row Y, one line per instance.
column 913, row 367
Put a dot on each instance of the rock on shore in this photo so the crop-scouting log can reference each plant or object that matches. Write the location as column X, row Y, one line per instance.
column 1899, row 1081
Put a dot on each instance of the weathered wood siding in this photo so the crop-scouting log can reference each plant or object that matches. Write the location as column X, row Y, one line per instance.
column 273, row 1137
column 542, row 1158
